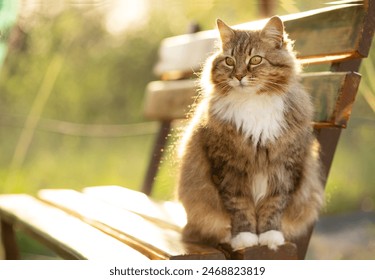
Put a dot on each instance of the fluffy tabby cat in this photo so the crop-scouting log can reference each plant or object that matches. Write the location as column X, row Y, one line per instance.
column 249, row 162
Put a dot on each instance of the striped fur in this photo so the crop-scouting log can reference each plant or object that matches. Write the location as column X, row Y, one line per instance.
column 249, row 170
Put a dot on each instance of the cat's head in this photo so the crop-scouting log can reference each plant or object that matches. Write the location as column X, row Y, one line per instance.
column 260, row 61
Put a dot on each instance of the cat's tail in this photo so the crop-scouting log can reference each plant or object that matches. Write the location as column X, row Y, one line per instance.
column 306, row 203
column 296, row 222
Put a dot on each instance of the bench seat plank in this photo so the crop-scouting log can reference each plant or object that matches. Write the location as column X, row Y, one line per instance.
column 170, row 213
column 65, row 234
column 332, row 94
column 155, row 241
column 174, row 214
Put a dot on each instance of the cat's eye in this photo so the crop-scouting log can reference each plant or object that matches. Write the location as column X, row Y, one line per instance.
column 255, row 60
column 229, row 61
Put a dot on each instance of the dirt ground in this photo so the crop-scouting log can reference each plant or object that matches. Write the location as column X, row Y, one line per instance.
column 346, row 236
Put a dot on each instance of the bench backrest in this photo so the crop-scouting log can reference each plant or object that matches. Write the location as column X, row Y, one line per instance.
column 325, row 36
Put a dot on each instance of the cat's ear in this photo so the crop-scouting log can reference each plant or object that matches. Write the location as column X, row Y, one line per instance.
column 274, row 31
column 226, row 33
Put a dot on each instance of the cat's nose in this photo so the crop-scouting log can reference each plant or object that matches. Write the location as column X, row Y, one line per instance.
column 239, row 76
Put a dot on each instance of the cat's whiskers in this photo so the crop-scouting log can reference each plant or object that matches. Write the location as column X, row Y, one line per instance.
column 274, row 87
column 224, row 87
column 268, row 86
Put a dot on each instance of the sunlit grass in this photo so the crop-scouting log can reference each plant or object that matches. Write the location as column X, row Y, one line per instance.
column 72, row 162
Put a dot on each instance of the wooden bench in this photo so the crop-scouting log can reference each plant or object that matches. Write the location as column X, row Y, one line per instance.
column 115, row 222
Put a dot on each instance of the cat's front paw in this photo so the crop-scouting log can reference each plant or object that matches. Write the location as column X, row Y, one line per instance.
column 272, row 238
column 243, row 240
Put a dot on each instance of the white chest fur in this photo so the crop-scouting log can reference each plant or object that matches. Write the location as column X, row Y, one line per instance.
column 259, row 116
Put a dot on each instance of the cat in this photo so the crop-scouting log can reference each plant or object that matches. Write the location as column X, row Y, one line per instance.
column 249, row 163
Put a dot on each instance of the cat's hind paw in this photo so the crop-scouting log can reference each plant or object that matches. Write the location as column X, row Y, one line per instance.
column 243, row 240
column 272, row 238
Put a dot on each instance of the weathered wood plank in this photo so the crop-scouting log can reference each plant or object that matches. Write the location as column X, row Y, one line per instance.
column 174, row 214
column 340, row 25
column 169, row 100
column 66, row 235
column 341, row 29
column 152, row 240
column 332, row 94
column 170, row 213
column 288, row 251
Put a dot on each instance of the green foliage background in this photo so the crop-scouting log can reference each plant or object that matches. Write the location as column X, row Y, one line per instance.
column 101, row 78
